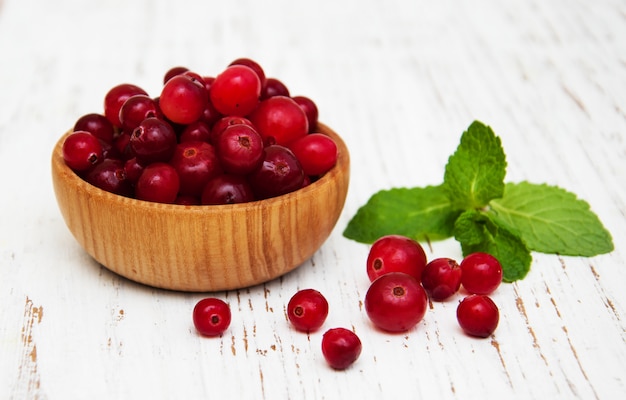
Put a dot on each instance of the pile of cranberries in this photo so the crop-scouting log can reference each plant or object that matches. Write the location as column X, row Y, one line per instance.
column 236, row 137
column 401, row 284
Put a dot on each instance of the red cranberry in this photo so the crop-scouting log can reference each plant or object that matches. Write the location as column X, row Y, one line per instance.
column 115, row 98
column 307, row 310
column 481, row 273
column 478, row 315
column 227, row 189
column 441, row 278
column 198, row 131
column 183, row 99
column 280, row 120
column 153, row 140
column 159, row 183
column 195, row 163
column 310, row 109
column 236, row 90
column 341, row 347
column 96, row 124
column 395, row 253
column 254, row 66
column 274, row 87
column 240, row 149
column 316, row 152
column 279, row 173
column 137, row 108
column 395, row 302
column 225, row 122
column 109, row 175
column 82, row 151
column 211, row 316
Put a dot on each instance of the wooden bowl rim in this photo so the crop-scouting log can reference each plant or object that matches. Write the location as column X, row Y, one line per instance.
column 71, row 178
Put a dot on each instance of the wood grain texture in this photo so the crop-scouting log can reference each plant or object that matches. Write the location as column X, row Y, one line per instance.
column 399, row 81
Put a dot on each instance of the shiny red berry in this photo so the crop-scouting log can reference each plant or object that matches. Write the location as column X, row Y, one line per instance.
column 211, row 316
column 341, row 347
column 478, row 315
column 441, row 278
column 481, row 273
column 196, row 163
column 307, row 310
column 395, row 302
column 159, row 183
column 183, row 99
column 280, row 120
column 236, row 91
column 82, row 151
column 316, row 152
column 395, row 253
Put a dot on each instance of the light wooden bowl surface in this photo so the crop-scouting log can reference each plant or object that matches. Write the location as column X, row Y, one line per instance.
column 201, row 248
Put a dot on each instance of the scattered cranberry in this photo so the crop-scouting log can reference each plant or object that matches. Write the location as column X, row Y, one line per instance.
column 481, row 273
column 341, row 347
column 441, row 278
column 395, row 253
column 478, row 315
column 395, row 302
column 211, row 316
column 307, row 310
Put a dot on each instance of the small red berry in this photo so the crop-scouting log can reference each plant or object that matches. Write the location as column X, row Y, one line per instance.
column 158, row 182
column 82, row 151
column 441, row 278
column 316, row 152
column 341, row 347
column 280, row 120
column 395, row 253
column 395, row 302
column 183, row 99
column 481, row 273
column 236, row 91
column 211, row 316
column 478, row 315
column 307, row 310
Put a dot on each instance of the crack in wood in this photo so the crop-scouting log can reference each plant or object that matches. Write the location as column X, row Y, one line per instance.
column 28, row 383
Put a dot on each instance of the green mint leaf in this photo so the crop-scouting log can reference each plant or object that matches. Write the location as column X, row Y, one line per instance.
column 475, row 173
column 476, row 232
column 551, row 220
column 422, row 213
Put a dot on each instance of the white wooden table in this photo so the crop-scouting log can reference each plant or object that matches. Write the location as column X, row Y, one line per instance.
column 400, row 81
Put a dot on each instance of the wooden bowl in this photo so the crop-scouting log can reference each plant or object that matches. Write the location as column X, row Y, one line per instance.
column 201, row 248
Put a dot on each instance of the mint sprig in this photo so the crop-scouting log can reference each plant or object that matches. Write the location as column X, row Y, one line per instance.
column 483, row 213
